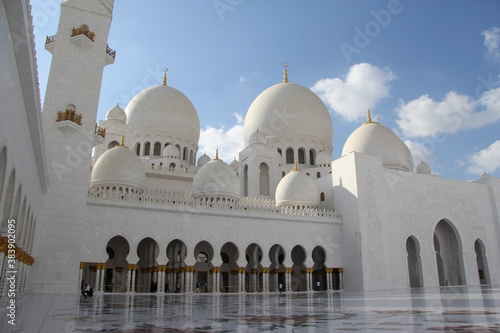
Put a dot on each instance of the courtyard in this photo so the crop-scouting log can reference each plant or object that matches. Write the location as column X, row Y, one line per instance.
column 446, row 309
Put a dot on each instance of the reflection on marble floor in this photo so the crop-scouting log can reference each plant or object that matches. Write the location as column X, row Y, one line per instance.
column 454, row 309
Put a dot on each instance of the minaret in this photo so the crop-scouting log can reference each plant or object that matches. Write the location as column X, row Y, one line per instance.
column 80, row 52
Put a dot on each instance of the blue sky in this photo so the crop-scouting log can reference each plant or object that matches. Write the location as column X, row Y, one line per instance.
column 429, row 69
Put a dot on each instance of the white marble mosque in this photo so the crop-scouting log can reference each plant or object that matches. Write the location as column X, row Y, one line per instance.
column 129, row 204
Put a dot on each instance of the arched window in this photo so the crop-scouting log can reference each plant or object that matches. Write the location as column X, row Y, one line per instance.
column 245, row 181
column 172, row 166
column 113, row 144
column 283, row 174
column 263, row 179
column 312, row 156
column 289, row 156
column 322, row 196
column 302, row 156
column 318, row 175
column 138, row 149
column 157, row 149
column 147, row 148
column 185, row 154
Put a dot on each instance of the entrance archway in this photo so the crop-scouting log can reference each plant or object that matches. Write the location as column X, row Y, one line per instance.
column 277, row 269
column 229, row 268
column 448, row 255
column 413, row 260
column 115, row 278
column 253, row 255
column 148, row 251
column 482, row 262
column 176, row 254
column 319, row 269
column 203, row 254
column 299, row 277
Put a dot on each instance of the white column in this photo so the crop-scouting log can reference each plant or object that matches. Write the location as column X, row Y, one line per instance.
column 80, row 275
column 161, row 278
column 216, row 280
column 241, row 273
column 101, row 277
column 265, row 279
column 96, row 278
column 288, row 279
column 133, row 272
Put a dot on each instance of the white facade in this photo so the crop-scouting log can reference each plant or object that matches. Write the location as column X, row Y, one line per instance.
column 143, row 214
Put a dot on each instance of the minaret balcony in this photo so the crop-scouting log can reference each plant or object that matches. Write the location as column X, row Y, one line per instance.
column 82, row 36
column 83, row 30
column 99, row 134
column 50, row 41
column 69, row 121
column 110, row 56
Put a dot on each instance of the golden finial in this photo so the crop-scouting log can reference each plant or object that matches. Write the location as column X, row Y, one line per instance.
column 165, row 76
column 369, row 119
column 216, row 155
column 296, row 166
column 285, row 73
column 122, row 143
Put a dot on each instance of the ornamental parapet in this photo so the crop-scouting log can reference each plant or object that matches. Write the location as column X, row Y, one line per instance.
column 50, row 39
column 70, row 115
column 99, row 131
column 185, row 200
column 83, row 30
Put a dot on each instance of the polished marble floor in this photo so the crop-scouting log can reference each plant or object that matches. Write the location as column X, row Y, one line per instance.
column 452, row 309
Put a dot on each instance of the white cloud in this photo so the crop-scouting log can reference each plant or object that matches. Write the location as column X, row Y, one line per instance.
column 421, row 152
column 486, row 160
column 424, row 117
column 363, row 87
column 492, row 43
column 229, row 142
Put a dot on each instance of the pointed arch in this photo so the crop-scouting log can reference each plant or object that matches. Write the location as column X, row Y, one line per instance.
column 263, row 179
column 414, row 262
column 449, row 257
column 482, row 262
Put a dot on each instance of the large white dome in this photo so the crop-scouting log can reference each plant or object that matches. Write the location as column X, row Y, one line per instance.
column 164, row 109
column 375, row 139
column 119, row 167
column 216, row 180
column 297, row 189
column 288, row 110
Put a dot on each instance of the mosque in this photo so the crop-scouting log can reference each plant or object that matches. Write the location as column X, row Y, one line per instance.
column 126, row 204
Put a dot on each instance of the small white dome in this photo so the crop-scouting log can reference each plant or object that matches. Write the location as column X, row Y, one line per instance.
column 164, row 109
column 119, row 167
column 423, row 168
column 204, row 159
column 377, row 140
column 216, row 180
column 324, row 157
column 289, row 110
column 117, row 114
column 171, row 151
column 297, row 189
column 235, row 165
column 257, row 137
